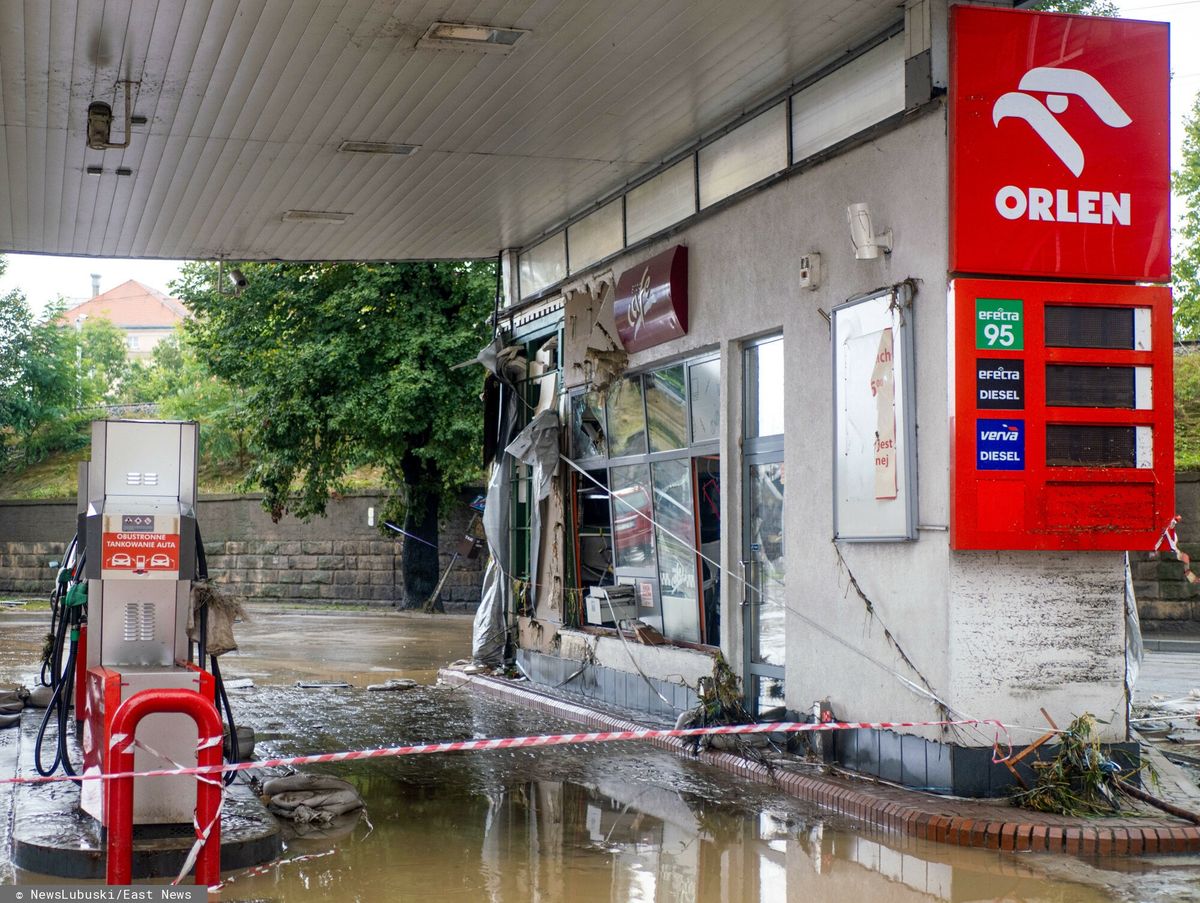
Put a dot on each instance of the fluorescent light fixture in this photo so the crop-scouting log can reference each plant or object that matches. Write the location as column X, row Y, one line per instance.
column 477, row 37
column 315, row 216
column 377, row 147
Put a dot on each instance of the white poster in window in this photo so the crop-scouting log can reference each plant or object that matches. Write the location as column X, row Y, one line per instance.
column 872, row 398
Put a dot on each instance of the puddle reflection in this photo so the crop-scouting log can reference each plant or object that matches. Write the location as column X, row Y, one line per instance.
column 563, row 841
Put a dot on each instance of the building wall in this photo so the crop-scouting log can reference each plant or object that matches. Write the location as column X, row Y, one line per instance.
column 146, row 340
column 993, row 635
column 333, row 560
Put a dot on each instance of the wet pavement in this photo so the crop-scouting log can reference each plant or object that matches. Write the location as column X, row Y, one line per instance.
column 604, row 823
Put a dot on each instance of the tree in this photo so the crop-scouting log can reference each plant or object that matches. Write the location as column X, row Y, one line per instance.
column 1079, row 7
column 102, row 362
column 1185, row 271
column 38, row 380
column 343, row 364
column 183, row 388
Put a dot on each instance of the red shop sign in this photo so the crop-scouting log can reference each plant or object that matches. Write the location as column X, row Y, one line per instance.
column 1059, row 153
column 651, row 306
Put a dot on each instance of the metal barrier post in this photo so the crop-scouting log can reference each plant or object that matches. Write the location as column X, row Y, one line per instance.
column 118, row 792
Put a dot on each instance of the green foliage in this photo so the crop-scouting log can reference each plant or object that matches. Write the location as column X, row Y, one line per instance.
column 339, row 365
column 101, row 359
column 39, row 383
column 1187, row 411
column 1186, row 268
column 183, row 388
column 1079, row 7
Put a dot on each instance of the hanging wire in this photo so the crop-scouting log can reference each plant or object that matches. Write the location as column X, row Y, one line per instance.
column 928, row 692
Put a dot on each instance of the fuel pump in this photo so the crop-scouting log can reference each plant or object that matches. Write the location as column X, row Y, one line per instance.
column 140, row 540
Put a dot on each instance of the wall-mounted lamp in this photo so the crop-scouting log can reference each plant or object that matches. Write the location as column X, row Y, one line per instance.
column 100, row 118
column 867, row 244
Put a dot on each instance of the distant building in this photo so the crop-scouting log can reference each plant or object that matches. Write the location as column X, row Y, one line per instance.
column 144, row 314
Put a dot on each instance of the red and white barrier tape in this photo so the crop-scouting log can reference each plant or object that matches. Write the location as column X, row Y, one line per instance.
column 781, row 727
column 1172, row 540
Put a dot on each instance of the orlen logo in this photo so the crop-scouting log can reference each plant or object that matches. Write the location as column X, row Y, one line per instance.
column 1061, row 205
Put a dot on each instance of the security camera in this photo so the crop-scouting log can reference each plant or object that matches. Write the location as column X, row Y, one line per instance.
column 867, row 244
column 239, row 281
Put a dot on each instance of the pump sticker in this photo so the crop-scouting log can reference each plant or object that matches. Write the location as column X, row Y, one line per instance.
column 999, row 383
column 141, row 553
column 999, row 324
column 1000, row 444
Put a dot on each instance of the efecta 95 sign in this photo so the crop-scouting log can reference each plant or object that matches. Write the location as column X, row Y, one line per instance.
column 1059, row 144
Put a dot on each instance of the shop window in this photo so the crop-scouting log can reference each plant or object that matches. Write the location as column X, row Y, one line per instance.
column 666, row 409
column 587, row 426
column 676, row 539
column 633, row 529
column 704, row 383
column 650, row 511
column 594, row 533
column 764, row 401
column 626, row 418
column 708, row 521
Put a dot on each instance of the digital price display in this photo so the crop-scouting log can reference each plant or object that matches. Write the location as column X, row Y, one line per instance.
column 1062, row 422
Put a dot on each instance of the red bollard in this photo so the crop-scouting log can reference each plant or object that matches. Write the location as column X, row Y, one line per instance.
column 118, row 792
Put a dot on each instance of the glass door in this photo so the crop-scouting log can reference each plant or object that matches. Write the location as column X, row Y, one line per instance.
column 765, row 602
column 764, row 605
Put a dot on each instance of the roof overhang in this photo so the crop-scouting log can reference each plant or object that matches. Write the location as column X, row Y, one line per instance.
column 247, row 107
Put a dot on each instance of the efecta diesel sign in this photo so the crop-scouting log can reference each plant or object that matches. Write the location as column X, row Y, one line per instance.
column 1059, row 129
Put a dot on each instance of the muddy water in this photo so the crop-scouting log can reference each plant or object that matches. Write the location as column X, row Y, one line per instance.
column 604, row 823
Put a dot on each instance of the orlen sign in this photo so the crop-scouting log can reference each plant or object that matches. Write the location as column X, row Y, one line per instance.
column 1059, row 146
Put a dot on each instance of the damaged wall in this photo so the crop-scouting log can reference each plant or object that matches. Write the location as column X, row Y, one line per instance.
column 980, row 632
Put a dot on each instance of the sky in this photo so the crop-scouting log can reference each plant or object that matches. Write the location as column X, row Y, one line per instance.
column 43, row 279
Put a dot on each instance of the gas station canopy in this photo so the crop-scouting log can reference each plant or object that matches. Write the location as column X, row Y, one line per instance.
column 462, row 140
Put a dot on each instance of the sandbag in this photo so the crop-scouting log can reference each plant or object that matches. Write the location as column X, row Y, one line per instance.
column 310, row 798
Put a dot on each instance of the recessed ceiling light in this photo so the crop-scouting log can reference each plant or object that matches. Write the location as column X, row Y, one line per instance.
column 477, row 37
column 315, row 216
column 377, row 147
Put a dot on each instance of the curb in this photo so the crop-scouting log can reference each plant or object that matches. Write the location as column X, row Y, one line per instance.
column 962, row 822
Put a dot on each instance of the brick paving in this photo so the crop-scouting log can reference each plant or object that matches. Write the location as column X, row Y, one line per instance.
column 989, row 824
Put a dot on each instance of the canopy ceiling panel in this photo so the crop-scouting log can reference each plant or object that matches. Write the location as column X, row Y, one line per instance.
column 246, row 105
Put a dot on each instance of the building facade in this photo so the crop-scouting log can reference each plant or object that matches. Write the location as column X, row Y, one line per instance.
column 145, row 315
column 757, row 403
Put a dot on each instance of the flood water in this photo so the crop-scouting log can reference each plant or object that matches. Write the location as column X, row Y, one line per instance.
column 615, row 822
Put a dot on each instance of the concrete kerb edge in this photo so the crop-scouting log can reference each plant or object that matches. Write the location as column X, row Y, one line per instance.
column 918, row 814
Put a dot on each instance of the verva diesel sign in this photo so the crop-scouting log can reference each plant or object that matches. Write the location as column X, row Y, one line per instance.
column 1059, row 146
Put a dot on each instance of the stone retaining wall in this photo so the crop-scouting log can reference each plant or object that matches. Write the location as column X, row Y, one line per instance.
column 336, row 559
column 1166, row 601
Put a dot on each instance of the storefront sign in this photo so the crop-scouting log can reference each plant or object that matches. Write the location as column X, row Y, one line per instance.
column 1059, row 130
column 651, row 301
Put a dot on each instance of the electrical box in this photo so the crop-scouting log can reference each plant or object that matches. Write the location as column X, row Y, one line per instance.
column 1062, row 416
